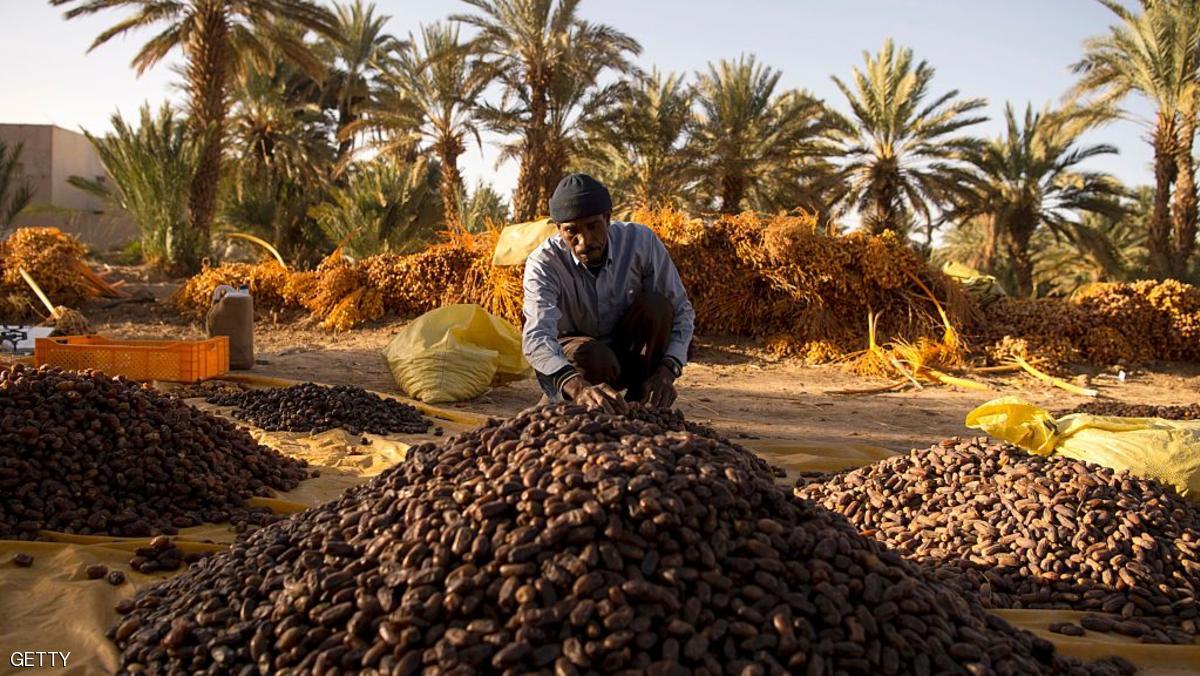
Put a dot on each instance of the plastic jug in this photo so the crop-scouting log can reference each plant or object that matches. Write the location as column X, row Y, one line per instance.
column 232, row 315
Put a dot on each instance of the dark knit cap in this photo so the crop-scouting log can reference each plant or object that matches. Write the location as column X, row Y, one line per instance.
column 579, row 196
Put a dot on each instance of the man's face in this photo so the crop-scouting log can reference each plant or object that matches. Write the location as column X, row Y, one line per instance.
column 587, row 237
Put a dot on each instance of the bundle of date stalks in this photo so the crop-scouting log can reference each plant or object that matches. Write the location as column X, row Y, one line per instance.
column 1023, row 531
column 85, row 453
column 569, row 541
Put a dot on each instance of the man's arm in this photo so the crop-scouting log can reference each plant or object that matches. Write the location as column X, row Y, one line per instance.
column 665, row 280
column 539, row 340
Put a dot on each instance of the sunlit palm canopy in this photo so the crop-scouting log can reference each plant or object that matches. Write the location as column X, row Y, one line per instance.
column 905, row 156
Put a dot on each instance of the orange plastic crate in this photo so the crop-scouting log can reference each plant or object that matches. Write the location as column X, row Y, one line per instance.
column 180, row 361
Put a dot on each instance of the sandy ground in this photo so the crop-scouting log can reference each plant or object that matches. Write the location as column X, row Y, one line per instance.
column 732, row 386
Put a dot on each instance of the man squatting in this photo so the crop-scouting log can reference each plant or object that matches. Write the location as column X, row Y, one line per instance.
column 605, row 309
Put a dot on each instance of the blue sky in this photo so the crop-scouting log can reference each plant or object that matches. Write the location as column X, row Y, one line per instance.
column 1009, row 50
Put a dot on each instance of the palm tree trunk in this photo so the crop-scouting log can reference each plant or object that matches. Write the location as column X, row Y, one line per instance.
column 733, row 191
column 991, row 244
column 1159, row 229
column 880, row 217
column 554, row 168
column 448, row 151
column 207, row 71
column 1021, row 261
column 884, row 199
column 345, row 117
column 1184, row 207
column 529, row 185
column 528, row 201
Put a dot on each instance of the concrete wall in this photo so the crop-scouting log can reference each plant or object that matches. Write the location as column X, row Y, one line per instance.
column 52, row 155
column 35, row 162
column 72, row 155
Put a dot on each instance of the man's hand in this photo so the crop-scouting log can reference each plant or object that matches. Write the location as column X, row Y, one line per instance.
column 659, row 389
column 600, row 396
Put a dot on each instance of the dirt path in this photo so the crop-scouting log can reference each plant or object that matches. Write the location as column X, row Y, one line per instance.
column 734, row 388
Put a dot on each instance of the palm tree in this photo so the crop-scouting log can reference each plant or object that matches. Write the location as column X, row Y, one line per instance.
column 526, row 45
column 1156, row 53
column 905, row 155
column 1100, row 249
column 357, row 48
column 754, row 142
column 637, row 144
column 15, row 193
column 216, row 37
column 575, row 96
column 482, row 209
column 281, row 160
column 428, row 98
column 151, row 166
column 276, row 123
column 1029, row 179
column 385, row 206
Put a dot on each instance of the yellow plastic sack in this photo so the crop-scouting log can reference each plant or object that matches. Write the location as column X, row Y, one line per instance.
column 455, row 353
column 518, row 241
column 1167, row 451
column 984, row 288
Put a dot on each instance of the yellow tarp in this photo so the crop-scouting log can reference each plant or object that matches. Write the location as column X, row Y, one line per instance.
column 1167, row 451
column 455, row 353
column 1151, row 660
column 516, row 242
column 800, row 458
column 52, row 606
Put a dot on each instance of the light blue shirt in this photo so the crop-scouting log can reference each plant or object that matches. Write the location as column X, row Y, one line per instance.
column 563, row 297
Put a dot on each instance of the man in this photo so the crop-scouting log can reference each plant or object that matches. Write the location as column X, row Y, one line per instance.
column 605, row 309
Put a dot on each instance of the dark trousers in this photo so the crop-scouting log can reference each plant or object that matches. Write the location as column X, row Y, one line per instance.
column 632, row 355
